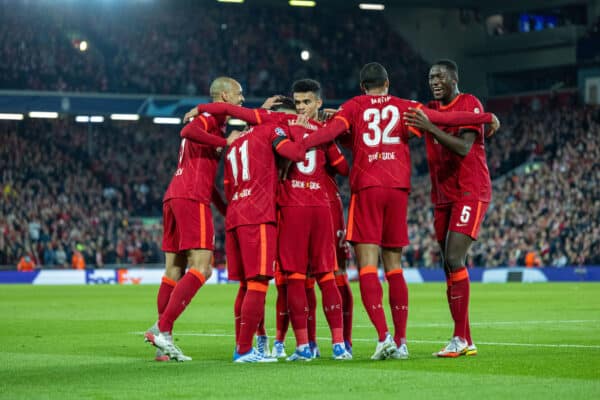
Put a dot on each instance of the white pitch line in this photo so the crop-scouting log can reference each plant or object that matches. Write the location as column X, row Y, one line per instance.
column 550, row 345
column 500, row 323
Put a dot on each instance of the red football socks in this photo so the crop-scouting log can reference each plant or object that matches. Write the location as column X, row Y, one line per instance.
column 164, row 294
column 253, row 311
column 332, row 306
column 298, row 307
column 237, row 309
column 282, row 318
column 347, row 305
column 398, row 295
column 311, row 298
column 371, row 293
column 182, row 294
column 459, row 301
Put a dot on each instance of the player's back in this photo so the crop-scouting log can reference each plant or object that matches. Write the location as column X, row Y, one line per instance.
column 251, row 177
column 197, row 164
column 454, row 176
column 380, row 150
column 306, row 180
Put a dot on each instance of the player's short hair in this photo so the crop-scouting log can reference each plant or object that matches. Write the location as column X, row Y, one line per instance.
column 286, row 103
column 450, row 66
column 307, row 85
column 373, row 75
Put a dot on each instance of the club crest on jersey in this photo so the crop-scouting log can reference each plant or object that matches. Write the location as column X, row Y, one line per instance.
column 279, row 131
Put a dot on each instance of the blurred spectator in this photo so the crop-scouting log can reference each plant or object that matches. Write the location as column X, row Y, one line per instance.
column 26, row 264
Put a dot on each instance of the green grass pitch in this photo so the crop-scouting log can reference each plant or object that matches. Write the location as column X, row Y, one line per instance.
column 536, row 341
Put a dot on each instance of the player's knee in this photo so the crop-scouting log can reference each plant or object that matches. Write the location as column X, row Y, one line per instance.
column 205, row 270
column 455, row 261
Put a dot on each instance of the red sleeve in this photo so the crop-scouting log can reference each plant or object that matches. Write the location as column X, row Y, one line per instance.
column 197, row 131
column 251, row 116
column 285, row 147
column 457, row 118
column 326, row 134
column 218, row 201
column 337, row 160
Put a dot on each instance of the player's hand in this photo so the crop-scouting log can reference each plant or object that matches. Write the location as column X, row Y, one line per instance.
column 272, row 101
column 284, row 169
column 190, row 114
column 233, row 136
column 302, row 120
column 417, row 118
column 327, row 113
column 494, row 126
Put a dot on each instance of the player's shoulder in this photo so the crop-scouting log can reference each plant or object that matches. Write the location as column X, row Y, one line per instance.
column 471, row 101
column 404, row 103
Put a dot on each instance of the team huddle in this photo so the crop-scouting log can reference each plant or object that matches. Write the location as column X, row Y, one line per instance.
column 284, row 216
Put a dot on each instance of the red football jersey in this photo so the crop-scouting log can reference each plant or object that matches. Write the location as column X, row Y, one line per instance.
column 251, row 176
column 306, row 181
column 334, row 157
column 197, row 166
column 379, row 141
column 454, row 177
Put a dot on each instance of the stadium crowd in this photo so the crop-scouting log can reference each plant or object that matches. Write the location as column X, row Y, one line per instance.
column 67, row 189
column 143, row 49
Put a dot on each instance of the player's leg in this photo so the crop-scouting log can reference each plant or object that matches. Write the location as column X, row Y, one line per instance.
column 464, row 225
column 237, row 307
column 398, row 298
column 341, row 277
column 257, row 244
column 282, row 318
column 365, row 227
column 196, row 238
column 293, row 257
column 394, row 238
column 311, row 298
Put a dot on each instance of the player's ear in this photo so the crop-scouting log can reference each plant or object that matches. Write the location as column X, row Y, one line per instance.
column 362, row 88
column 319, row 103
column 386, row 84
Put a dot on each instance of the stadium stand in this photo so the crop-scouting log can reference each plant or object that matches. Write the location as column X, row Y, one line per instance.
column 144, row 49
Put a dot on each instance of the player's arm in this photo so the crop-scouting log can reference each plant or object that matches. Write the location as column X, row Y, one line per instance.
column 460, row 145
column 218, row 201
column 291, row 150
column 197, row 131
column 327, row 133
column 455, row 118
column 336, row 160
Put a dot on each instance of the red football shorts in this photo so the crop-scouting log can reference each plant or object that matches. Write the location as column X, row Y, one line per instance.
column 251, row 251
column 342, row 249
column 306, row 240
column 377, row 215
column 464, row 217
column 187, row 224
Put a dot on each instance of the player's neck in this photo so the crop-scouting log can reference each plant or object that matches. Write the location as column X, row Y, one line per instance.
column 451, row 98
column 377, row 92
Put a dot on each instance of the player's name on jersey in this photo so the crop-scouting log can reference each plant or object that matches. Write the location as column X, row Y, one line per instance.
column 380, row 100
column 306, row 125
column 305, row 184
column 382, row 155
column 241, row 194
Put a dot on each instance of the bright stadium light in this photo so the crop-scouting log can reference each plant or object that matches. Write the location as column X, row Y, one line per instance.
column 305, row 55
column 43, row 114
column 371, row 6
column 83, row 45
column 86, row 118
column 230, row 1
column 166, row 120
column 303, row 3
column 12, row 117
column 124, row 117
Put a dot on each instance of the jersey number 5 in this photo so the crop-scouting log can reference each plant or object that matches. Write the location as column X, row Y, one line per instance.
column 232, row 158
column 374, row 117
